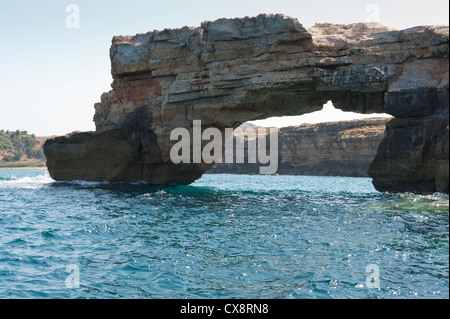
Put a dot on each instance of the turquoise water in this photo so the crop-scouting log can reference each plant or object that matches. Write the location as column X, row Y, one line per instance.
column 225, row 236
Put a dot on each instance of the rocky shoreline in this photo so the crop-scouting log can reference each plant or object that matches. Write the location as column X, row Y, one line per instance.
column 345, row 148
column 230, row 71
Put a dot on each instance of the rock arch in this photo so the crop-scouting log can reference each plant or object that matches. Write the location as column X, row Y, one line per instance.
column 230, row 71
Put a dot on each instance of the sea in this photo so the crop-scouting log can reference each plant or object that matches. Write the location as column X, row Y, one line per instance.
column 223, row 237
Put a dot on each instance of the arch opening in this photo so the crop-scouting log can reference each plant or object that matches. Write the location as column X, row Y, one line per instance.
column 329, row 142
column 328, row 114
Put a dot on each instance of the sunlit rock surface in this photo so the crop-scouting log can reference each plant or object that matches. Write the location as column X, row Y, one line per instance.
column 230, row 71
column 345, row 148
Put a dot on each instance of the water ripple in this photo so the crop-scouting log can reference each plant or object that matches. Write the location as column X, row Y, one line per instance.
column 224, row 236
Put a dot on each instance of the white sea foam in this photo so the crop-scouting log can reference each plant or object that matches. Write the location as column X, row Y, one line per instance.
column 95, row 184
column 81, row 183
column 27, row 181
column 33, row 182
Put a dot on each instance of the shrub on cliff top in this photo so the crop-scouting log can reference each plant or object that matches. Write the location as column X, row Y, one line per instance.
column 16, row 143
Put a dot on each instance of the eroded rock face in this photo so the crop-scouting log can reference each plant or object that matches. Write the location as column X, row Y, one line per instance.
column 419, row 144
column 344, row 148
column 230, row 71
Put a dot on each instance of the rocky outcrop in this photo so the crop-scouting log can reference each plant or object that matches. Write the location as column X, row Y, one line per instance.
column 230, row 71
column 344, row 148
column 118, row 155
column 420, row 145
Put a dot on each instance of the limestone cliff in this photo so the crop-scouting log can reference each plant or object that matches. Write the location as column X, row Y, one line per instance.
column 230, row 71
column 344, row 148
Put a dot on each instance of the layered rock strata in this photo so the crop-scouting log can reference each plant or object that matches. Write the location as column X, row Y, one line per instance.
column 230, row 71
column 344, row 148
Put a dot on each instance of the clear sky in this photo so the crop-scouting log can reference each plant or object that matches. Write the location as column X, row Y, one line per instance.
column 51, row 75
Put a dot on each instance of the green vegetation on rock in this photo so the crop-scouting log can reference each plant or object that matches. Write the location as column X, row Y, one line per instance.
column 15, row 144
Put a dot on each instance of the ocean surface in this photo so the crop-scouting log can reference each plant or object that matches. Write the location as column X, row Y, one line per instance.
column 225, row 236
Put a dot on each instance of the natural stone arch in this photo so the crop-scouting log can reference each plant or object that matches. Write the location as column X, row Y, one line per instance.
column 230, row 71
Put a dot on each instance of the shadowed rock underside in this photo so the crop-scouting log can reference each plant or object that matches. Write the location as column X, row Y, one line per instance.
column 230, row 71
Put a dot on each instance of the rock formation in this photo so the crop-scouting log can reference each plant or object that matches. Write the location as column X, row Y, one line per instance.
column 344, row 148
column 230, row 71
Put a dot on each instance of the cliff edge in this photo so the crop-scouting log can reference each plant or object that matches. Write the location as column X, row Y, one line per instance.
column 230, row 71
column 345, row 148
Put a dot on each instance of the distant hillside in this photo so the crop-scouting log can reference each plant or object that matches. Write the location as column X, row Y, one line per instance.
column 335, row 149
column 326, row 149
column 19, row 149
